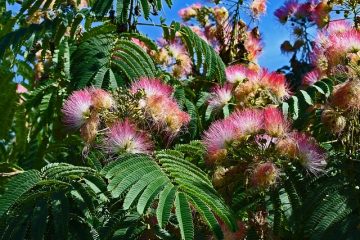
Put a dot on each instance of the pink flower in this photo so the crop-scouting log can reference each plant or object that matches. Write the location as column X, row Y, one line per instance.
column 101, row 99
column 220, row 96
column 274, row 122
column 247, row 122
column 265, row 175
column 346, row 96
column 347, row 42
column 309, row 153
column 253, row 46
column 217, row 137
column 189, row 12
column 258, row 7
column 312, row 77
column 239, row 73
column 166, row 115
column 321, row 13
column 305, row 10
column 276, row 82
column 151, row 87
column 337, row 26
column 286, row 10
column 76, row 109
column 124, row 137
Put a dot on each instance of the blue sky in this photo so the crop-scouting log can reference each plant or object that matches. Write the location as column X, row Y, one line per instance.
column 272, row 32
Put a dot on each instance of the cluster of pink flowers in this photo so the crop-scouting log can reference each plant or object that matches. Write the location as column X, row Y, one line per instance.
column 174, row 57
column 313, row 11
column 215, row 28
column 251, row 84
column 91, row 108
column 81, row 110
column 161, row 108
column 338, row 44
column 251, row 126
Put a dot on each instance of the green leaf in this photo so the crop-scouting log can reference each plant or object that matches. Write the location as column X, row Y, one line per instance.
column 17, row 186
column 166, row 200
column 146, row 8
column 150, row 193
column 306, row 97
column 184, row 216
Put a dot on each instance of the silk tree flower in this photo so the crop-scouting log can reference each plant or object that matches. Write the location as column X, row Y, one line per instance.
column 101, row 99
column 247, row 122
column 165, row 114
column 123, row 137
column 346, row 96
column 76, row 109
column 333, row 120
column 337, row 26
column 276, row 82
column 151, row 87
column 189, row 12
column 265, row 175
column 306, row 10
column 309, row 154
column 321, row 14
column 253, row 46
column 336, row 45
column 274, row 122
column 287, row 146
column 343, row 44
column 220, row 134
column 312, row 77
column 220, row 96
column 239, row 73
column 258, row 7
column 284, row 12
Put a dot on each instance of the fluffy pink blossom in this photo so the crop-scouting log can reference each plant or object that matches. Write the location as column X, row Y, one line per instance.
column 151, row 87
column 276, row 82
column 312, row 77
column 309, row 153
column 220, row 96
column 124, row 137
column 239, row 73
column 189, row 12
column 306, row 10
column 346, row 42
column 101, row 99
column 265, row 175
column 258, row 7
column 337, row 26
column 217, row 137
column 247, row 122
column 286, row 10
column 274, row 122
column 336, row 45
column 166, row 115
column 253, row 46
column 76, row 109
